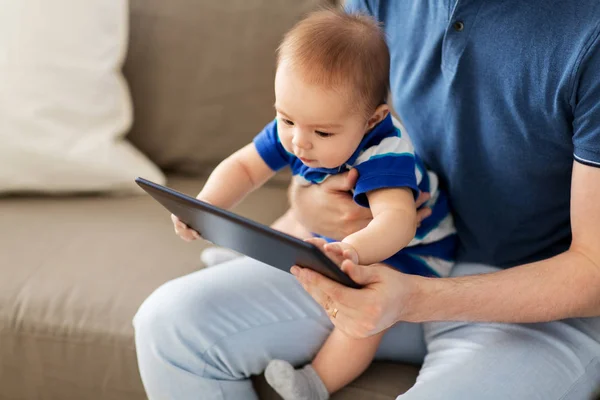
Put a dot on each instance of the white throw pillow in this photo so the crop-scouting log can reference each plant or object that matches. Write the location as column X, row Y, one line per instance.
column 64, row 104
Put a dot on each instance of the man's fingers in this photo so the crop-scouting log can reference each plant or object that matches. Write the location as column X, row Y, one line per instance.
column 363, row 275
column 351, row 178
column 422, row 214
column 342, row 182
column 322, row 288
column 422, row 199
column 311, row 282
column 331, row 295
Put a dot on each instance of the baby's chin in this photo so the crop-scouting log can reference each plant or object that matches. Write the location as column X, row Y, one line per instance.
column 321, row 165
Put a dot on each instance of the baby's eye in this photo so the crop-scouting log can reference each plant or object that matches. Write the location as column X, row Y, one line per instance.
column 323, row 134
column 288, row 122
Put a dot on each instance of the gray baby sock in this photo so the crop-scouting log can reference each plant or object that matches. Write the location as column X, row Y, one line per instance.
column 295, row 384
column 217, row 255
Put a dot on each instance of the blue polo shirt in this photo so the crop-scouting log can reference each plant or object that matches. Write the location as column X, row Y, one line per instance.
column 499, row 99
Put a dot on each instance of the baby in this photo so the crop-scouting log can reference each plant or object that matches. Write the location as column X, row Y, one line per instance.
column 331, row 87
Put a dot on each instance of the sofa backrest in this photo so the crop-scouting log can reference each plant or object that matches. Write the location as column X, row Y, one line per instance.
column 201, row 75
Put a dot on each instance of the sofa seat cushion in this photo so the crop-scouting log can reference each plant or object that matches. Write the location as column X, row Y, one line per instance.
column 75, row 270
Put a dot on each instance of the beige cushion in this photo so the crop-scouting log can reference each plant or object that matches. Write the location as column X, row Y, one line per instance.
column 74, row 271
column 64, row 105
column 201, row 75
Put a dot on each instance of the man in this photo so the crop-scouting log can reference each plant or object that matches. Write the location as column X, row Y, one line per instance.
column 502, row 100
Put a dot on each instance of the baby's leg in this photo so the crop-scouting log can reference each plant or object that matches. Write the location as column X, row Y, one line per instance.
column 341, row 360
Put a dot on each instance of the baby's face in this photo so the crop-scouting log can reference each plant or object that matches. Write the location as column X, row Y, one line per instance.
column 316, row 124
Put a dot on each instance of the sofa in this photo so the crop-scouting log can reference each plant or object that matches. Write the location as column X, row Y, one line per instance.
column 76, row 267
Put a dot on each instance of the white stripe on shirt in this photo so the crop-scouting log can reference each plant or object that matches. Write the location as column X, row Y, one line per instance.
column 392, row 144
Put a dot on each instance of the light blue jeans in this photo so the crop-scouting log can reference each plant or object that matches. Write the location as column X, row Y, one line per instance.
column 202, row 335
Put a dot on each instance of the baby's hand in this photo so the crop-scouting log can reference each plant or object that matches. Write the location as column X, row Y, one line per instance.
column 183, row 231
column 321, row 243
column 343, row 250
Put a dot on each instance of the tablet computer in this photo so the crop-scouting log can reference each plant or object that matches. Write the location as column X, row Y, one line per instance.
column 245, row 236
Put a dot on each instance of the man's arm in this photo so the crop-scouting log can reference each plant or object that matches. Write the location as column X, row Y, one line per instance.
column 567, row 285
column 564, row 286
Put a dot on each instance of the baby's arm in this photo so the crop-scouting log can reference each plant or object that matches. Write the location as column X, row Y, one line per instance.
column 393, row 226
column 235, row 177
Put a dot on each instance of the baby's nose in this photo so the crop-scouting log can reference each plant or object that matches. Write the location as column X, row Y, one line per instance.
column 301, row 141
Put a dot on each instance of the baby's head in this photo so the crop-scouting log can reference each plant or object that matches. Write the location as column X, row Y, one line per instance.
column 331, row 85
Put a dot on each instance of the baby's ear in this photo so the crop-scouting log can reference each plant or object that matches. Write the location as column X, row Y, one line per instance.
column 378, row 115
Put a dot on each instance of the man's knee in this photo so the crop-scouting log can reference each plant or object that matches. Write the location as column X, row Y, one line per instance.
column 170, row 311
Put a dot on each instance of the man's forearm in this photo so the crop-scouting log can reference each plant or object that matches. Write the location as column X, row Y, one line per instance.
column 564, row 286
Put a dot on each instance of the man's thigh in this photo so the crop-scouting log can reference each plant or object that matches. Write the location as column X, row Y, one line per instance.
column 501, row 361
column 555, row 360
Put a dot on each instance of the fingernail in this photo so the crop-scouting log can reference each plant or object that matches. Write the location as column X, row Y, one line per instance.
column 294, row 271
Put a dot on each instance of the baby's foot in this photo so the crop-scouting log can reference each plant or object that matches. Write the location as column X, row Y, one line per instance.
column 295, row 384
column 217, row 255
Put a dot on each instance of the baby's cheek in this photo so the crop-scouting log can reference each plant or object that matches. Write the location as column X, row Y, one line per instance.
column 286, row 143
column 345, row 151
column 337, row 156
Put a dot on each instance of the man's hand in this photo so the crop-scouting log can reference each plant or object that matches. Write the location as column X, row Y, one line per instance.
column 329, row 210
column 361, row 312
column 288, row 223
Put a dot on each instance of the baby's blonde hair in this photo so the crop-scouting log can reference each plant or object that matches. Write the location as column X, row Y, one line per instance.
column 337, row 50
